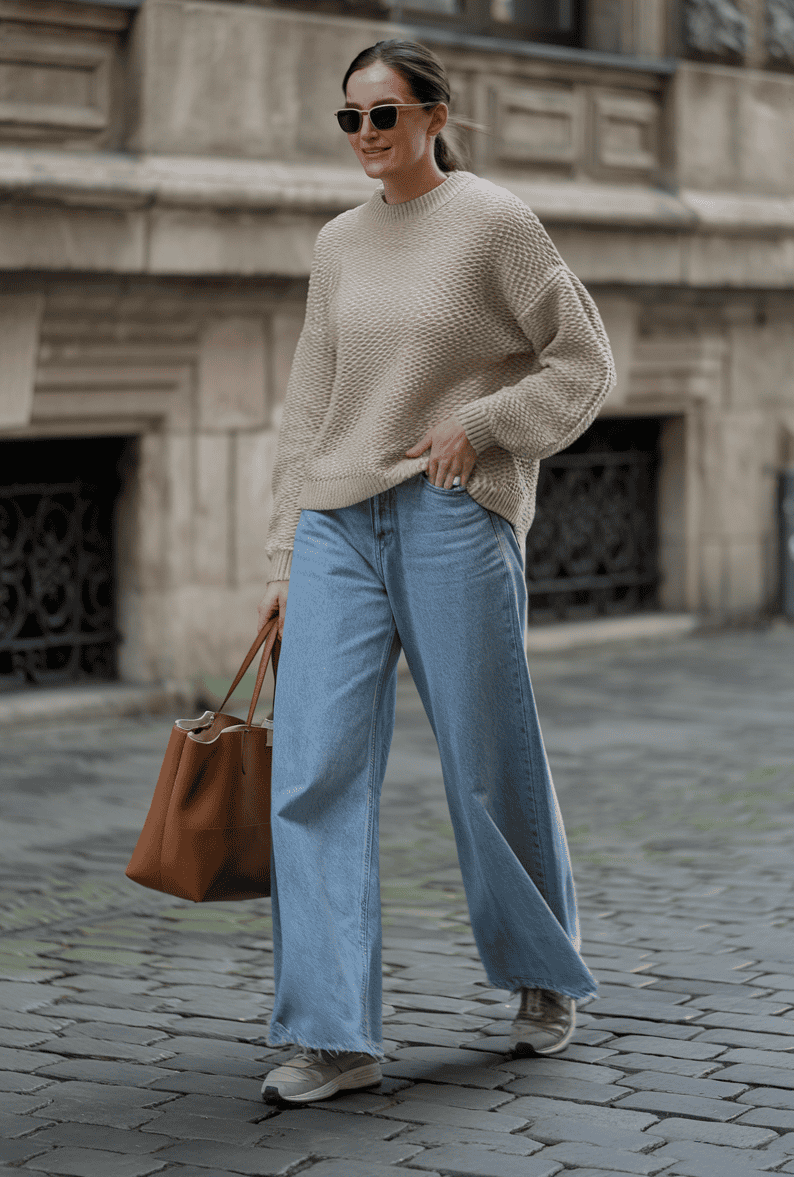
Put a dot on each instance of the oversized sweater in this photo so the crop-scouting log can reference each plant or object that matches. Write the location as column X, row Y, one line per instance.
column 456, row 302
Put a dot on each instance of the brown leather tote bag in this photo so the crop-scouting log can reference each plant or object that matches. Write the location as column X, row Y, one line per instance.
column 207, row 833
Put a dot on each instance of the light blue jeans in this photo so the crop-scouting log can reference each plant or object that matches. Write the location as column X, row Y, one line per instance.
column 433, row 572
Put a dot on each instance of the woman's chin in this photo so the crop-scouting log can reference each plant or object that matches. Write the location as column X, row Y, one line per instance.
column 376, row 165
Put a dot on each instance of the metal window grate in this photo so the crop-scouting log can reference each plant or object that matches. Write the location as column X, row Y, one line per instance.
column 592, row 549
column 57, row 608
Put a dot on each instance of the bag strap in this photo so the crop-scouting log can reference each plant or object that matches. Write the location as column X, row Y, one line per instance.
column 258, row 640
column 270, row 646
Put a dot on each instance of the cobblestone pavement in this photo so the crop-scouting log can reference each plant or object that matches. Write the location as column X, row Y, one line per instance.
column 132, row 1025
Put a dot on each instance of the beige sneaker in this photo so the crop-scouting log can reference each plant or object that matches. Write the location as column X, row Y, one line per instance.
column 318, row 1074
column 544, row 1023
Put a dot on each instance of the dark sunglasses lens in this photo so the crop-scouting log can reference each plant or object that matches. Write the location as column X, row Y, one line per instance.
column 383, row 118
column 349, row 121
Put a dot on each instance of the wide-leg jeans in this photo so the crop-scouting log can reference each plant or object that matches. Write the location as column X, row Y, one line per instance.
column 432, row 572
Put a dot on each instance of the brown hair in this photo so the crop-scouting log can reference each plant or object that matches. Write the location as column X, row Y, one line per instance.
column 425, row 75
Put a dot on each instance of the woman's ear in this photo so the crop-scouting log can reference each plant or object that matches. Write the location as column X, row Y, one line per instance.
column 438, row 119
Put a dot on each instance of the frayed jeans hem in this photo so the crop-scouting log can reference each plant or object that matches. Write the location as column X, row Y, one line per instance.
column 282, row 1037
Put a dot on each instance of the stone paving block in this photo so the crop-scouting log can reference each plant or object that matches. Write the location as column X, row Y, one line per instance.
column 264, row 1162
column 643, row 1044
column 24, row 1038
column 729, row 969
column 651, row 1080
column 426, row 1034
column 556, row 1129
column 215, row 1028
column 320, row 1119
column 25, row 1061
column 693, row 1156
column 12, row 1125
column 641, row 1007
column 123, row 1016
column 564, row 1088
column 515, row 1144
column 761, row 1076
column 488, row 1076
column 12, row 1104
column 740, row 1005
column 561, row 1068
column 184, row 1126
column 473, row 1162
column 612, row 1160
column 748, row 1038
column 735, row 1135
column 669, row 1104
column 113, row 1032
column 90, row 1162
column 190, row 1044
column 347, row 1168
column 535, row 1107
column 14, row 1081
column 477, row 1099
column 190, row 1082
column 764, row 1058
column 95, row 1136
column 24, row 998
column 420, row 1111
column 14, row 1151
column 242, row 1110
column 455, row 1023
column 87, row 1070
column 772, row 1097
column 93, row 1103
column 84, row 1046
column 579, row 1052
column 206, row 1064
column 620, row 1026
column 760, row 1024
column 781, row 1119
column 432, row 1003
column 694, row 1069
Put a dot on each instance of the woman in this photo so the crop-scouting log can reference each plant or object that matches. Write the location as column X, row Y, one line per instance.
column 446, row 349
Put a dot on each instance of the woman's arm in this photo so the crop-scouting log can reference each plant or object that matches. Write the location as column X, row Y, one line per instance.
column 308, row 392
column 545, row 411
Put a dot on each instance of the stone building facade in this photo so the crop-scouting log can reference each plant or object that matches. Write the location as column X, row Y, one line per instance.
column 165, row 167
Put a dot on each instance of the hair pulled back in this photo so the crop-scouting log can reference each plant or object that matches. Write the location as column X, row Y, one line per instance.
column 425, row 75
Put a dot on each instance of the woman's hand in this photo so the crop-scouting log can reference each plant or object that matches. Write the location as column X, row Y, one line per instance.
column 451, row 453
column 274, row 602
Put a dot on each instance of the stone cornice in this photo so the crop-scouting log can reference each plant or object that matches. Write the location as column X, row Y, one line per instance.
column 109, row 181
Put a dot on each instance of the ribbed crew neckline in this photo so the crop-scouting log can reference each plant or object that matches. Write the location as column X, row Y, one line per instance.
column 411, row 210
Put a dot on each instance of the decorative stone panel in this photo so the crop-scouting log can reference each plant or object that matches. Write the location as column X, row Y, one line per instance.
column 780, row 31
column 627, row 132
column 537, row 125
column 49, row 87
column 715, row 28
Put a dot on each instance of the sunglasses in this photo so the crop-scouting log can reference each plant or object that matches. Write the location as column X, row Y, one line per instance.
column 383, row 118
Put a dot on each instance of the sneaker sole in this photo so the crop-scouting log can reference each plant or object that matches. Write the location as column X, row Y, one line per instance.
column 366, row 1076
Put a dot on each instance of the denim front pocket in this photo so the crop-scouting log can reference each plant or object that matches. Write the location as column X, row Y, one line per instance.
column 453, row 490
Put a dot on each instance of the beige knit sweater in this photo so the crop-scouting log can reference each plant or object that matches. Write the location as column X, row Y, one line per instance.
column 456, row 302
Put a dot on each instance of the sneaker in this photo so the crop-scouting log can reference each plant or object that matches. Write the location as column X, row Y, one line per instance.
column 318, row 1074
column 544, row 1023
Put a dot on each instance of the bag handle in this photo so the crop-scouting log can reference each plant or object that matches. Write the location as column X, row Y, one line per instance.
column 270, row 648
column 258, row 640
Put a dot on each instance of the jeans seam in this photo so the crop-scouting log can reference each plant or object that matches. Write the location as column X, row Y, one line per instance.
column 366, row 871
column 541, row 858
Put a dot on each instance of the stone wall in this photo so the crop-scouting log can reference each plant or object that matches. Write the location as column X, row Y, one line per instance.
column 164, row 175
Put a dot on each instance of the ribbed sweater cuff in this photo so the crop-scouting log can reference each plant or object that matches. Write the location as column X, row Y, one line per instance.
column 474, row 419
column 280, row 564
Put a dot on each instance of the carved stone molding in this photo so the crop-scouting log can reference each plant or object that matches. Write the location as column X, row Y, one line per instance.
column 538, row 124
column 715, row 28
column 780, row 31
column 627, row 132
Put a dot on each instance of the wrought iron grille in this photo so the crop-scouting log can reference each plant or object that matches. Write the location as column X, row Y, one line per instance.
column 56, row 583
column 592, row 549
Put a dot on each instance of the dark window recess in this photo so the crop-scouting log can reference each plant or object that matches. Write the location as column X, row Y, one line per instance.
column 592, row 548
column 57, row 607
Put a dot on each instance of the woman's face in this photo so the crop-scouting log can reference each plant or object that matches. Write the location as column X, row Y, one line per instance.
column 384, row 154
